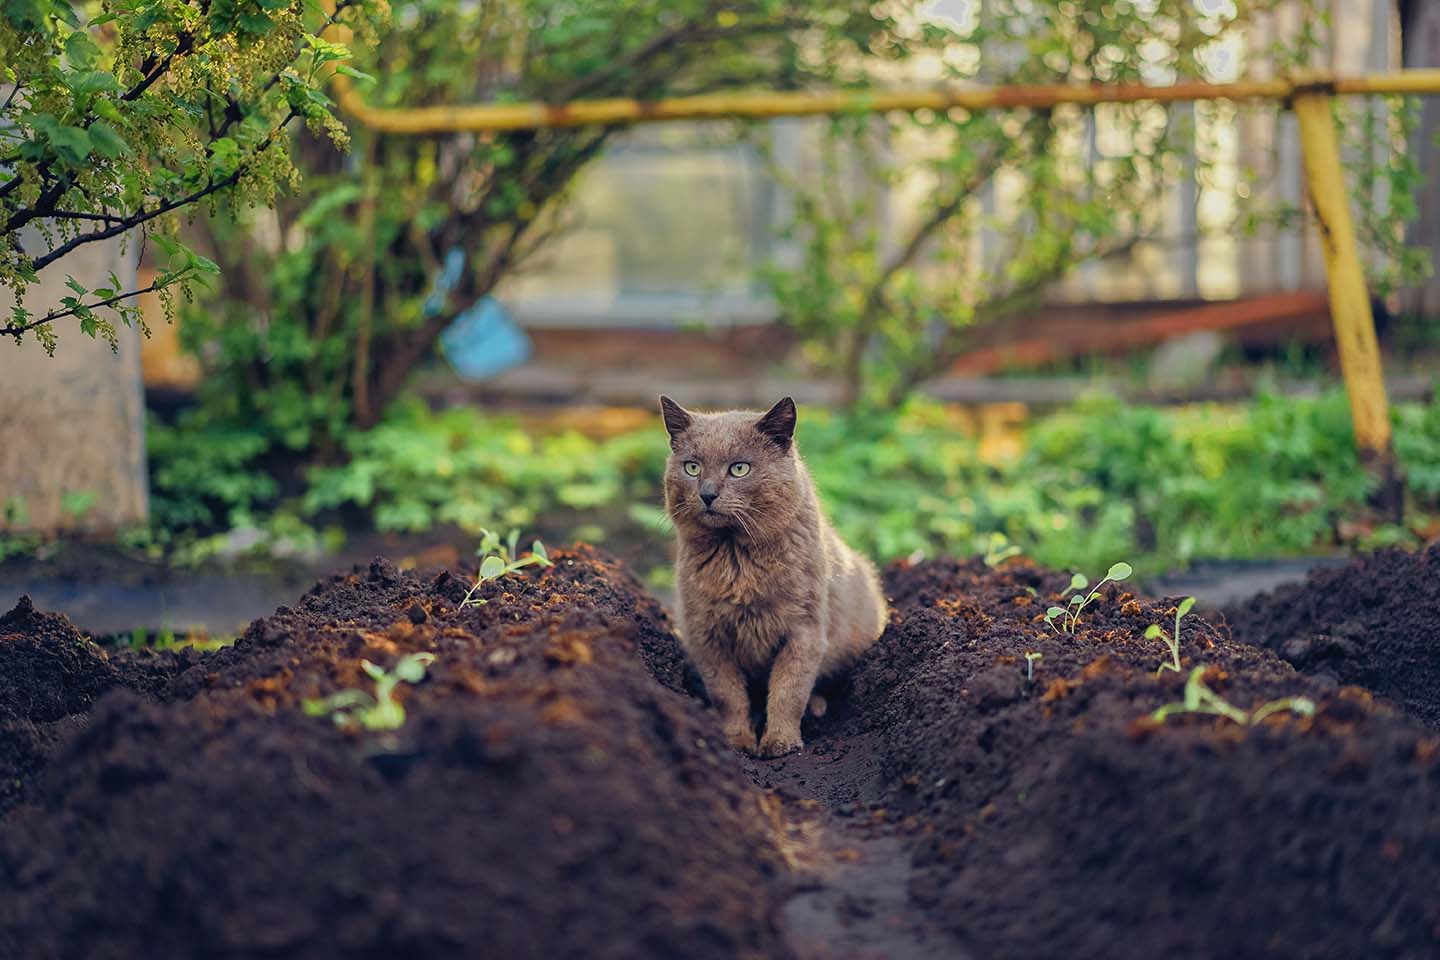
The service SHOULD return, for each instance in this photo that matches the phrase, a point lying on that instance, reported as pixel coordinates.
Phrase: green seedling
(999, 549)
(381, 711)
(1199, 698)
(1032, 658)
(1069, 615)
(1171, 640)
(500, 559)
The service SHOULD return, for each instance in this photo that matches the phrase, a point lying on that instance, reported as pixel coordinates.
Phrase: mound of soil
(49, 673)
(1370, 623)
(555, 790)
(1053, 818)
(48, 669)
(545, 796)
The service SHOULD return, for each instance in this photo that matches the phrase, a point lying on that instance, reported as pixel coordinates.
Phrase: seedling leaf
(411, 668)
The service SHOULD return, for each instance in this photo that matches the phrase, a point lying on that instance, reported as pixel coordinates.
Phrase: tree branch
(17, 329)
(134, 220)
(121, 225)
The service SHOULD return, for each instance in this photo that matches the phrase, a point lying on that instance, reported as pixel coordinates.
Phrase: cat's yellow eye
(692, 468)
(739, 469)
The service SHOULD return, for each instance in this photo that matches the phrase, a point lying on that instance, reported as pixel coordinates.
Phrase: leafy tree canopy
(118, 116)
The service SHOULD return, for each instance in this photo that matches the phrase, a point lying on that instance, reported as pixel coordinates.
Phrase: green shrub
(1102, 479)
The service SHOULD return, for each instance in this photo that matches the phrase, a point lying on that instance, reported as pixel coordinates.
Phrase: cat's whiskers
(744, 516)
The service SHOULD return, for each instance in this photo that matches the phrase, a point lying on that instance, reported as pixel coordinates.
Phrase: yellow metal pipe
(1349, 297)
(525, 116)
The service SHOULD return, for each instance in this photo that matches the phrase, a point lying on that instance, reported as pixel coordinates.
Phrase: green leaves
(381, 711)
(1069, 615)
(505, 561)
(1155, 631)
(106, 141)
(132, 116)
(1200, 699)
(70, 144)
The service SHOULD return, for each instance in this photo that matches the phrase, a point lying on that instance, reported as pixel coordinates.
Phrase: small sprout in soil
(1171, 640)
(998, 549)
(162, 639)
(379, 712)
(1199, 698)
(501, 559)
(1069, 615)
(1031, 658)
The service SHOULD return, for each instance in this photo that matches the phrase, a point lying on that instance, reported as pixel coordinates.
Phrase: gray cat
(767, 589)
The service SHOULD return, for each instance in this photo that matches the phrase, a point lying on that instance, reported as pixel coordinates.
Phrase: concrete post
(72, 428)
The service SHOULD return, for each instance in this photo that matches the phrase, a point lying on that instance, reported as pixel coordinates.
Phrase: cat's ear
(778, 424)
(677, 418)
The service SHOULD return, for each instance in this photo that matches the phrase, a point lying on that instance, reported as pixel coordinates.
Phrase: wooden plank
(1150, 330)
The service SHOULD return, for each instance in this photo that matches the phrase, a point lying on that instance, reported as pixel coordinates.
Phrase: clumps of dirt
(1052, 818)
(49, 674)
(545, 796)
(1372, 623)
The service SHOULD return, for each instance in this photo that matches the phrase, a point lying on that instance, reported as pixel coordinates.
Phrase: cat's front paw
(777, 744)
(741, 738)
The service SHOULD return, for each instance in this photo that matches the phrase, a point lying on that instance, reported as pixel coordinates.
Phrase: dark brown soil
(48, 673)
(548, 797)
(1053, 819)
(1372, 623)
(545, 797)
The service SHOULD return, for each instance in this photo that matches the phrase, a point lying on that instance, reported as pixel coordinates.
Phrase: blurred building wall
(72, 438)
(1421, 34)
(672, 224)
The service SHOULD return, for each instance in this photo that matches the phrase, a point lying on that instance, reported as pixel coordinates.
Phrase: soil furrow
(983, 785)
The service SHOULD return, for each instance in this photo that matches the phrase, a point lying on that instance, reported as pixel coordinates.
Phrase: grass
(1163, 486)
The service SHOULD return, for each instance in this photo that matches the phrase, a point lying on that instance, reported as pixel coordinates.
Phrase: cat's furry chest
(745, 607)
(750, 630)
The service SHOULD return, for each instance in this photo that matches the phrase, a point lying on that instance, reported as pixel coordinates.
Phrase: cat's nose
(708, 496)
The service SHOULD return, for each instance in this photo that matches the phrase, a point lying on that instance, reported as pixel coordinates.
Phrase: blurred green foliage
(419, 469)
(1159, 486)
(328, 301)
(911, 228)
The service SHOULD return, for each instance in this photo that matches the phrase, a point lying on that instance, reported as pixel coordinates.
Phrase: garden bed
(557, 789)
(1370, 623)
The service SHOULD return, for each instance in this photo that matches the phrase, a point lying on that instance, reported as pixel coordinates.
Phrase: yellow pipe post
(1349, 297)
(450, 118)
